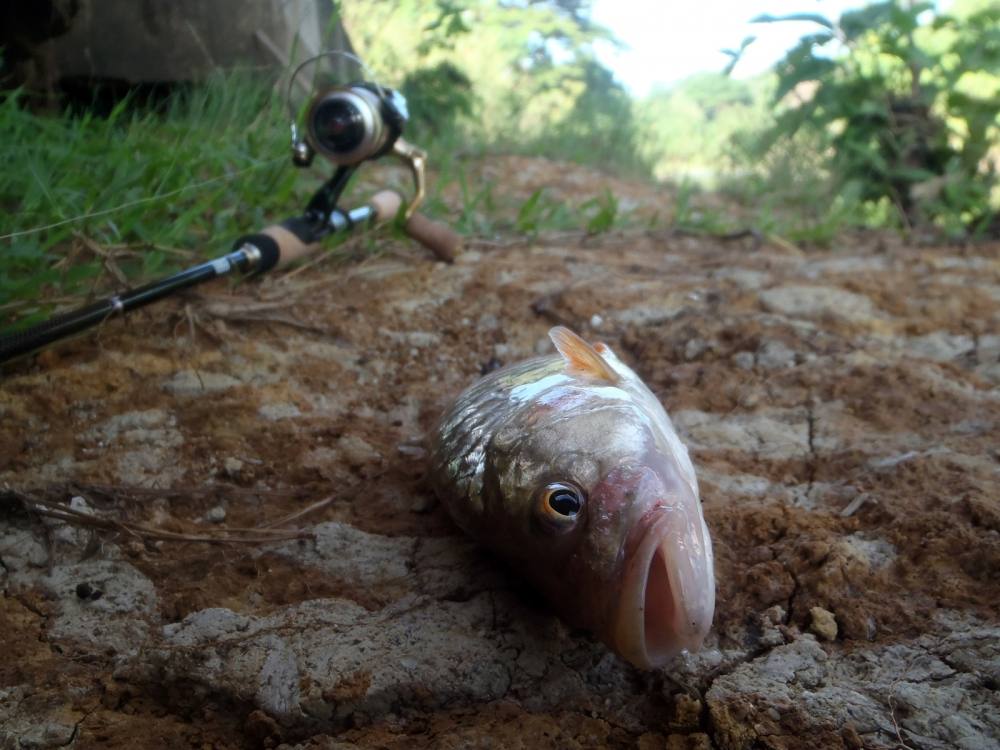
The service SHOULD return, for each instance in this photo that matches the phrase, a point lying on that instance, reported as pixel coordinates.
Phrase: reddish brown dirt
(334, 388)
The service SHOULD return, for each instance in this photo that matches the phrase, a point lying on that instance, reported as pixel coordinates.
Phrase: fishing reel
(349, 124)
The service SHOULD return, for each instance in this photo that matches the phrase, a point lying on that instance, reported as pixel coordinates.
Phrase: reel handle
(439, 238)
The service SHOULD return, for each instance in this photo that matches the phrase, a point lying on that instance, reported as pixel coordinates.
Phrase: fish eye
(559, 505)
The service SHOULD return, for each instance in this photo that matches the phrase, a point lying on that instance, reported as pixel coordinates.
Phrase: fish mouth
(668, 598)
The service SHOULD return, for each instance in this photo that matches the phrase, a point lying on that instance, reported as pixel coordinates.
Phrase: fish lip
(692, 611)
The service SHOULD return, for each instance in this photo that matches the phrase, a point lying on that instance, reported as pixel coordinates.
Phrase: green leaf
(605, 215)
(854, 23)
(528, 215)
(801, 64)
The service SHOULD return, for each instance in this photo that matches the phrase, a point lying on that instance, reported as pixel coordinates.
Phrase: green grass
(152, 190)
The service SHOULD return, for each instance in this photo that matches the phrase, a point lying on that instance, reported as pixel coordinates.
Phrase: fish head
(665, 597)
(593, 501)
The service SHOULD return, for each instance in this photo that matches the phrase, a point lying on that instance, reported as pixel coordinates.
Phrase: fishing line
(142, 201)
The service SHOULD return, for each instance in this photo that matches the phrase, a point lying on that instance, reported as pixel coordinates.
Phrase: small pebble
(775, 355)
(743, 360)
(694, 347)
(216, 514)
(413, 451)
(423, 504)
(824, 624)
(357, 451)
(79, 503)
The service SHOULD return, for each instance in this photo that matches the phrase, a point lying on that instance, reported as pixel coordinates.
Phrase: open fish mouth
(668, 598)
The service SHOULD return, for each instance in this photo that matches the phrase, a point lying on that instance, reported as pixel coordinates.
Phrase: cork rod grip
(290, 246)
(435, 236)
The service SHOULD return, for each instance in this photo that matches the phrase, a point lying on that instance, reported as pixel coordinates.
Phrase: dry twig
(232, 535)
(318, 505)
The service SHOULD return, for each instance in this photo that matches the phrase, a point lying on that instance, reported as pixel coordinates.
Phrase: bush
(905, 112)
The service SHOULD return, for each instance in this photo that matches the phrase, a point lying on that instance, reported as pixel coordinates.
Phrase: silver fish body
(569, 468)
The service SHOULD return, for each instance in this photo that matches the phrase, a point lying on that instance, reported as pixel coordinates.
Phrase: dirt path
(843, 412)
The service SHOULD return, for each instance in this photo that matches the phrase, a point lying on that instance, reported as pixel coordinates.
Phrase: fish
(569, 469)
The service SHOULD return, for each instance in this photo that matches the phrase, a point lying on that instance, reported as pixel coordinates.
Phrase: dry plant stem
(125, 490)
(318, 505)
(324, 255)
(55, 301)
(262, 535)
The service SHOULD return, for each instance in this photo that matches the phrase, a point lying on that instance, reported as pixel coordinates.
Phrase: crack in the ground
(975, 346)
(76, 728)
(811, 419)
(790, 606)
(11, 715)
(20, 599)
(412, 559)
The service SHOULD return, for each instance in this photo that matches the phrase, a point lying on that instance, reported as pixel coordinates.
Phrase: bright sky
(670, 39)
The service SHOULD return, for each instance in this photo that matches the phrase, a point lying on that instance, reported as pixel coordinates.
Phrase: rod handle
(439, 238)
(292, 245)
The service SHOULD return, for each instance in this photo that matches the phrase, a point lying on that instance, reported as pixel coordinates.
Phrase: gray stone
(800, 301)
(851, 264)
(149, 467)
(275, 411)
(232, 466)
(418, 339)
(113, 618)
(153, 425)
(777, 433)
(441, 652)
(876, 553)
(823, 624)
(357, 451)
(21, 549)
(940, 346)
(27, 730)
(388, 568)
(694, 348)
(743, 277)
(196, 382)
(917, 684)
(774, 355)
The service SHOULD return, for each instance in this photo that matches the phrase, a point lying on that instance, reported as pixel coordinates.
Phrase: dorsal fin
(581, 356)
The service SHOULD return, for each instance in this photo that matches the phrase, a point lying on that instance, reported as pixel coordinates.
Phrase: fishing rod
(346, 124)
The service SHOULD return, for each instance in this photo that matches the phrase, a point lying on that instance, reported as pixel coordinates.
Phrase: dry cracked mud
(842, 408)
